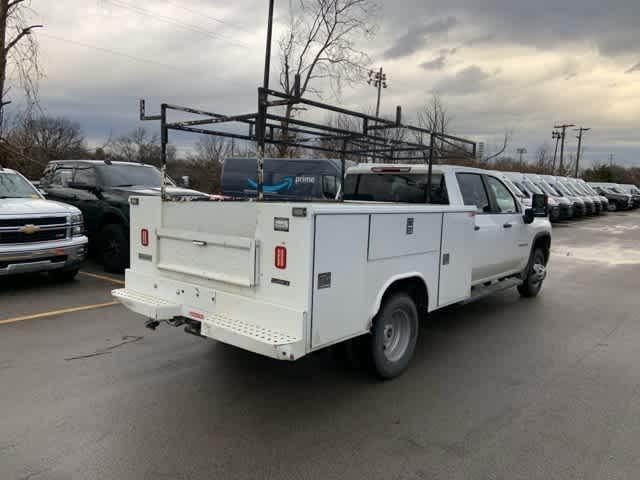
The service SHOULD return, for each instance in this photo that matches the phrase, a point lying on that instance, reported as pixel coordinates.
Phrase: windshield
(562, 188)
(616, 190)
(130, 175)
(573, 189)
(13, 185)
(513, 188)
(578, 186)
(532, 188)
(548, 189)
(588, 188)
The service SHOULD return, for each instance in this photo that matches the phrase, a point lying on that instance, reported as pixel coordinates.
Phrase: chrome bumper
(42, 257)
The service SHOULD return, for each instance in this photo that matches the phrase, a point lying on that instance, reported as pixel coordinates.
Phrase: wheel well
(543, 242)
(415, 288)
(111, 219)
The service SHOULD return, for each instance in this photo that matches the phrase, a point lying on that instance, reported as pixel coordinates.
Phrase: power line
(109, 51)
(218, 20)
(174, 21)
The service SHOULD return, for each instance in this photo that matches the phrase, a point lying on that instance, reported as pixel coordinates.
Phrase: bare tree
(501, 149)
(204, 165)
(543, 159)
(321, 46)
(18, 51)
(33, 142)
(137, 146)
(434, 116)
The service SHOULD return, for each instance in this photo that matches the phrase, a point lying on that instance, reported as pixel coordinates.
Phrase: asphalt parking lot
(504, 388)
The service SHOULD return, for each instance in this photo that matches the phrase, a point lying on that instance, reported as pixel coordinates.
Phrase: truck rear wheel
(394, 336)
(535, 275)
(114, 248)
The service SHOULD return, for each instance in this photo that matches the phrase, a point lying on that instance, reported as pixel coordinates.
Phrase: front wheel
(394, 336)
(535, 275)
(64, 275)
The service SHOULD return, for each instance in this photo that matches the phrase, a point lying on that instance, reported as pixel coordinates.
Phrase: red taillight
(281, 257)
(144, 237)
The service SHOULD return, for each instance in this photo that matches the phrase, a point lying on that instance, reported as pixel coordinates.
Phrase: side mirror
(539, 205)
(42, 192)
(529, 216)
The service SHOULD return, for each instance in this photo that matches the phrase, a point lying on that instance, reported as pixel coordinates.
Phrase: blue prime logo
(285, 184)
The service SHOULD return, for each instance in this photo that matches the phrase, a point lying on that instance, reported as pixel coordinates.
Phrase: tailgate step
(246, 329)
(147, 305)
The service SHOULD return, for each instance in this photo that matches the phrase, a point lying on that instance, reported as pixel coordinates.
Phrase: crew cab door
(486, 243)
(88, 200)
(508, 217)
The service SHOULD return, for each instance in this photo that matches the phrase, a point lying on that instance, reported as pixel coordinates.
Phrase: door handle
(199, 243)
(507, 225)
(476, 228)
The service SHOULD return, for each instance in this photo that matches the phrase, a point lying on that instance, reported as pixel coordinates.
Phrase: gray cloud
(437, 63)
(467, 80)
(635, 68)
(417, 37)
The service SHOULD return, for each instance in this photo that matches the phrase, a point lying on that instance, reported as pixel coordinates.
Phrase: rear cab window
(398, 187)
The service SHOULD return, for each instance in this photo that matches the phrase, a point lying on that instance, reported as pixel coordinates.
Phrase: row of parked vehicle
(572, 197)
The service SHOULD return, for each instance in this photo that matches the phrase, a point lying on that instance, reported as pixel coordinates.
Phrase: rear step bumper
(246, 335)
(147, 305)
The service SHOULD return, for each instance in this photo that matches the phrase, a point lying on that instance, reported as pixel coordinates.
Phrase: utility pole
(521, 152)
(579, 137)
(563, 135)
(378, 79)
(611, 155)
(556, 136)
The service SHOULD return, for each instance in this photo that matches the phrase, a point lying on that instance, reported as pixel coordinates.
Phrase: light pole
(378, 79)
(556, 136)
(521, 152)
(579, 137)
(563, 134)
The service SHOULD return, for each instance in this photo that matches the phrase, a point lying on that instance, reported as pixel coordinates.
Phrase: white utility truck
(284, 279)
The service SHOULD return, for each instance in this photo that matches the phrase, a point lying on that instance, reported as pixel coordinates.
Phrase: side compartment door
(339, 305)
(485, 243)
(455, 258)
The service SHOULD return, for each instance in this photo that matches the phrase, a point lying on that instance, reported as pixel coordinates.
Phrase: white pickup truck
(284, 279)
(37, 235)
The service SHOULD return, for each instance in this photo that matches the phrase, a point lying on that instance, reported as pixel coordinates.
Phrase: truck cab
(37, 235)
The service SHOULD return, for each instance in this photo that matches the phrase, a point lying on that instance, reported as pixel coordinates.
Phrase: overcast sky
(497, 64)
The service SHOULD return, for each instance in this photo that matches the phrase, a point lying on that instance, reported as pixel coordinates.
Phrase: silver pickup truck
(37, 234)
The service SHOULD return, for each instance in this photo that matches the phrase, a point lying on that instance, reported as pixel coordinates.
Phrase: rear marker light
(144, 237)
(281, 257)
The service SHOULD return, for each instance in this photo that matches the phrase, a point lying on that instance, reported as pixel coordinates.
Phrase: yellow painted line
(59, 312)
(103, 277)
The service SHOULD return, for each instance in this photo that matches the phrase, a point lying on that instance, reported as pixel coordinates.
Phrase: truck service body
(284, 279)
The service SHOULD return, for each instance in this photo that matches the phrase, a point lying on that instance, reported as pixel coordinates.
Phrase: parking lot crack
(107, 350)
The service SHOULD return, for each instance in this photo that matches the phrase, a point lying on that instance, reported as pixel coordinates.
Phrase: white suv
(37, 234)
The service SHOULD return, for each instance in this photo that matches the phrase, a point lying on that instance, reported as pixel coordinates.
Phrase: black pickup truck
(101, 190)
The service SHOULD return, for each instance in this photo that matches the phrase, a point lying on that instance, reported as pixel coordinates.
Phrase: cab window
(473, 191)
(505, 202)
(61, 177)
(396, 187)
(85, 176)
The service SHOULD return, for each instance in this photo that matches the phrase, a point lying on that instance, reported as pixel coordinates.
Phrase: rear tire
(535, 275)
(394, 336)
(64, 275)
(114, 248)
